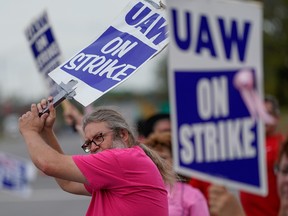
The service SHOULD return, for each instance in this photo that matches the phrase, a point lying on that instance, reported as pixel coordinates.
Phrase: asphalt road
(46, 198)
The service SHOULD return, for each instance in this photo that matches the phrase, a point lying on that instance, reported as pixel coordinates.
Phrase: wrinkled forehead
(95, 128)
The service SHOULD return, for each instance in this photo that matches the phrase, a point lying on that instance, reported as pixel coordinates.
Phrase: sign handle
(155, 5)
(66, 91)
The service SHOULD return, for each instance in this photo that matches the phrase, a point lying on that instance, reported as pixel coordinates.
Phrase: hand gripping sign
(138, 34)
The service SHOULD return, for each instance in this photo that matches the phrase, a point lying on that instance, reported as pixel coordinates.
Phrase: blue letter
(131, 20)
(204, 39)
(146, 23)
(160, 30)
(228, 40)
(185, 43)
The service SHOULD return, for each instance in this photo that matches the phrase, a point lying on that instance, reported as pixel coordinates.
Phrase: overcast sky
(75, 25)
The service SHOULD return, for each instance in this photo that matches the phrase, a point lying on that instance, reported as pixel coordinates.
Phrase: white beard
(118, 144)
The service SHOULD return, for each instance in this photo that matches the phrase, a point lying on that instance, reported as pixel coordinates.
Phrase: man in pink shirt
(118, 174)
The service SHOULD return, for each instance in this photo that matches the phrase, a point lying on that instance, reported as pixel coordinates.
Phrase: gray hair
(114, 120)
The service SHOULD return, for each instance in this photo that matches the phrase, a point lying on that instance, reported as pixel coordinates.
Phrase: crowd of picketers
(128, 173)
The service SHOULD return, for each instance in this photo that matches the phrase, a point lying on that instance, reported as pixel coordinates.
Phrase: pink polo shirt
(184, 200)
(123, 182)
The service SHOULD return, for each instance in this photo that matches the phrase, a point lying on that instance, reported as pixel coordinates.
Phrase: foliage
(275, 34)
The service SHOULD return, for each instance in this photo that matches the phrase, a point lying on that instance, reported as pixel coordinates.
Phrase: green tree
(275, 34)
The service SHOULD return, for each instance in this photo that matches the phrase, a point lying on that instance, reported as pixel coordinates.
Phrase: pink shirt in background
(123, 182)
(184, 200)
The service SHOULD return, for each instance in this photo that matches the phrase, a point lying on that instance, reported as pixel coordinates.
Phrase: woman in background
(183, 199)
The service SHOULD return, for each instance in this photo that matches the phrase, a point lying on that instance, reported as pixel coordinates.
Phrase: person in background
(201, 185)
(183, 199)
(140, 127)
(72, 117)
(281, 171)
(159, 122)
(122, 176)
(255, 205)
(223, 203)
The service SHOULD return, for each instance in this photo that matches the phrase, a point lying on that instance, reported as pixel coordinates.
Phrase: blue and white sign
(44, 47)
(215, 65)
(138, 34)
(16, 174)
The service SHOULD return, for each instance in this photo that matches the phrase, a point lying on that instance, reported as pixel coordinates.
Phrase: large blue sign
(215, 127)
(215, 76)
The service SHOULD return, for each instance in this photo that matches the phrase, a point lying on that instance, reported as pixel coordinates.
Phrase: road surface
(46, 198)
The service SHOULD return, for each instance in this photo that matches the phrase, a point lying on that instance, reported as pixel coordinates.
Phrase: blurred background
(75, 25)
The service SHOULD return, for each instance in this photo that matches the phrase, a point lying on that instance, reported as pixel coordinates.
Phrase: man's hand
(223, 203)
(30, 121)
(51, 116)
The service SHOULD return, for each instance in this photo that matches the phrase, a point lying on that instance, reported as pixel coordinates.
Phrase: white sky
(75, 25)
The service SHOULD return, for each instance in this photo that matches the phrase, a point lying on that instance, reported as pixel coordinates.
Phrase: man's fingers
(52, 110)
(39, 107)
(34, 109)
(43, 103)
(50, 99)
(44, 116)
(25, 115)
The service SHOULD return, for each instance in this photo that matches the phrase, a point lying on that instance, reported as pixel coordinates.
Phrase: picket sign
(44, 47)
(138, 34)
(16, 174)
(215, 64)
